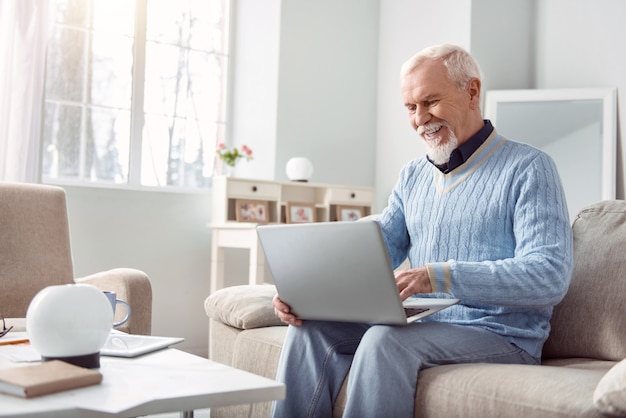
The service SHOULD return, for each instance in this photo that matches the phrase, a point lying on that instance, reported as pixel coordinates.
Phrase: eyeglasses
(5, 330)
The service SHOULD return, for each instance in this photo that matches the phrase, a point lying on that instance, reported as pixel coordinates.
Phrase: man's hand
(413, 281)
(283, 312)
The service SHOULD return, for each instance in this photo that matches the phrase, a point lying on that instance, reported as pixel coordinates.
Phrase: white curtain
(23, 37)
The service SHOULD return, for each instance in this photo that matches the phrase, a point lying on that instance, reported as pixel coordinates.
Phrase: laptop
(339, 271)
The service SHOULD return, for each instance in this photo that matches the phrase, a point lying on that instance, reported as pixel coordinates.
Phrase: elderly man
(483, 219)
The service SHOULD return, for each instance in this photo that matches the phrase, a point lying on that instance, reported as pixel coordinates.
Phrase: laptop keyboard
(413, 311)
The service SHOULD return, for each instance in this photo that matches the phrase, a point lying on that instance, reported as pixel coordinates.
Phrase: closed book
(47, 377)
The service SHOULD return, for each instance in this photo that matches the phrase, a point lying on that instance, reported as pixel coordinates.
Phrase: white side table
(165, 381)
(235, 235)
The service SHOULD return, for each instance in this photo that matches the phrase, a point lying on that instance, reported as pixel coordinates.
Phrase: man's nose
(422, 116)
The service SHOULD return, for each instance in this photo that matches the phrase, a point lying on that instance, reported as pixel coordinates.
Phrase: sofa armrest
(243, 307)
(134, 287)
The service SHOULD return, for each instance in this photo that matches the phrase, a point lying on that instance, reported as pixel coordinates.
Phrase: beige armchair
(35, 253)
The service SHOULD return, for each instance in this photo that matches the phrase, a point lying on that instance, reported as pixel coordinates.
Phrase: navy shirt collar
(464, 151)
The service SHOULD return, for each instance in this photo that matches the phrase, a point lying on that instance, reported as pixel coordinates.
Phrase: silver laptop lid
(338, 271)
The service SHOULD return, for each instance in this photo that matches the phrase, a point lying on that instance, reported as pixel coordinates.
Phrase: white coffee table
(164, 381)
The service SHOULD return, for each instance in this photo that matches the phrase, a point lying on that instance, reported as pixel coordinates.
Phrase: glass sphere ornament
(70, 322)
(299, 169)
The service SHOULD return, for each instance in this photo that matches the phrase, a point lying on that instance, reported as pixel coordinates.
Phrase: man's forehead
(424, 89)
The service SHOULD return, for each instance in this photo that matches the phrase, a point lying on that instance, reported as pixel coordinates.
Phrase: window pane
(116, 16)
(111, 70)
(183, 82)
(91, 96)
(65, 65)
(108, 142)
(71, 12)
(206, 84)
(198, 24)
(61, 141)
(168, 22)
(166, 79)
(209, 25)
(177, 152)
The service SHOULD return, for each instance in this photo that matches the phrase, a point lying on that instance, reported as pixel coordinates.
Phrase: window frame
(137, 114)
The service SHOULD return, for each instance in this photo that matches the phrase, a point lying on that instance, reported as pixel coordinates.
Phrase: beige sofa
(583, 373)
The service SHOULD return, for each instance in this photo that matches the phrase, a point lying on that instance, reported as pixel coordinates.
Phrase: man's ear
(473, 89)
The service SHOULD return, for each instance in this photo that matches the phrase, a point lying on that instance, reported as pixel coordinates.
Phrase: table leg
(257, 264)
(217, 265)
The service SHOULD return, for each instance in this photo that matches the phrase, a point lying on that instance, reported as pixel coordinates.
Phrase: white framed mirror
(576, 127)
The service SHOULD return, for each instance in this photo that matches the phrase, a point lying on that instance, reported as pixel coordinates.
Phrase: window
(135, 91)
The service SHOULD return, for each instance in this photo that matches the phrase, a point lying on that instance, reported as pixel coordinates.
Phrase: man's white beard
(438, 152)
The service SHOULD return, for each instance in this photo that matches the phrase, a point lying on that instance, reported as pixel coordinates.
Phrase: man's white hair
(462, 67)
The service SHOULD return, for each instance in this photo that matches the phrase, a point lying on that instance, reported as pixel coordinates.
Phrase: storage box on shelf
(228, 233)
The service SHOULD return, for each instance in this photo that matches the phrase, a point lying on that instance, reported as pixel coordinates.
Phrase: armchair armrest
(18, 324)
(134, 287)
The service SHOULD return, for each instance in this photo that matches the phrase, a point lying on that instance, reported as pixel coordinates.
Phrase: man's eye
(431, 103)
(411, 109)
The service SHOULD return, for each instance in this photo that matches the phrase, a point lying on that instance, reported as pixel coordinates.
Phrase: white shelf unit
(325, 197)
(228, 233)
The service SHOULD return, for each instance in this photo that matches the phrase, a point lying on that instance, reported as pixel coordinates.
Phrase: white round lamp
(299, 169)
(70, 323)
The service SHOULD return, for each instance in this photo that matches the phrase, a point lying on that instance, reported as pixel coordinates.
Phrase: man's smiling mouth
(430, 131)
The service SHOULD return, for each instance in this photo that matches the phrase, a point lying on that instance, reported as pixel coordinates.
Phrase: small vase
(223, 169)
(227, 170)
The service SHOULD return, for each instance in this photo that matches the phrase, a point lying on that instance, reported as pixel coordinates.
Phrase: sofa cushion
(511, 390)
(243, 307)
(610, 394)
(594, 327)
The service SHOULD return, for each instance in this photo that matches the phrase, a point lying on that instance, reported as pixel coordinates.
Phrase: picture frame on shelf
(349, 213)
(298, 212)
(251, 211)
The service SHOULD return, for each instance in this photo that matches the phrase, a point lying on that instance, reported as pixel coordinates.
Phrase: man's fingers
(283, 312)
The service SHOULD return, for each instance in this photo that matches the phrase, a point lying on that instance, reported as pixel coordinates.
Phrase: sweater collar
(464, 151)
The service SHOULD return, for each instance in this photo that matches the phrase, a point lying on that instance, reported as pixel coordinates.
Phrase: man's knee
(379, 336)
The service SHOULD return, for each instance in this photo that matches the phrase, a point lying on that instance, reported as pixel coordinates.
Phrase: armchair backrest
(34, 244)
(590, 322)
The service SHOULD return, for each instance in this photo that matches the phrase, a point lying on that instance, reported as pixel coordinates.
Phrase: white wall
(165, 235)
(326, 91)
(504, 42)
(255, 46)
(304, 85)
(581, 44)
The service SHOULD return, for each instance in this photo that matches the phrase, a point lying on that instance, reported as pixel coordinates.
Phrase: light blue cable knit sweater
(493, 233)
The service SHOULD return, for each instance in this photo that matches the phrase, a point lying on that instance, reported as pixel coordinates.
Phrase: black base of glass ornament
(88, 361)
